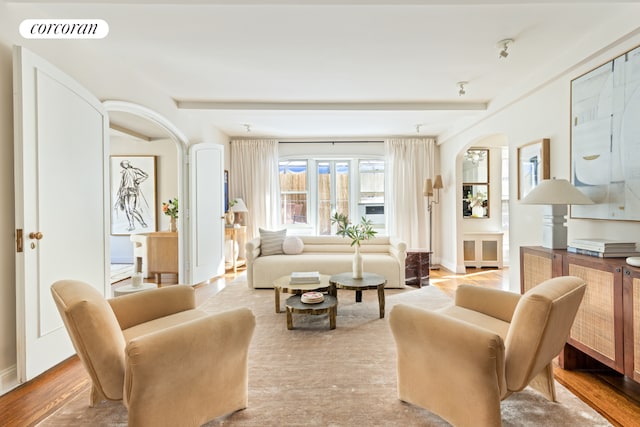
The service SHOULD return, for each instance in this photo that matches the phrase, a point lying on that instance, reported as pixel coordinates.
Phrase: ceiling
(320, 69)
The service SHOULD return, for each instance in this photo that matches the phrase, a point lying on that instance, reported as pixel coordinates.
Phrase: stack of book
(304, 277)
(604, 248)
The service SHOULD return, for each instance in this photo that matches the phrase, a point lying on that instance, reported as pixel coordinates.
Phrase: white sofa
(328, 255)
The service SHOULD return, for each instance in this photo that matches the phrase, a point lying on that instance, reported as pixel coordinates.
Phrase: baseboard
(8, 379)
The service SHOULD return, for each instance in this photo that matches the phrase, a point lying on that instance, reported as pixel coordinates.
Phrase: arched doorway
(182, 145)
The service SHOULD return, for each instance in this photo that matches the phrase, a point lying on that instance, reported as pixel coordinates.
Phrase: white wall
(165, 151)
(543, 114)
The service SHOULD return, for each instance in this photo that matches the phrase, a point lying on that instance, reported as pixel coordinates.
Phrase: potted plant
(170, 209)
(357, 233)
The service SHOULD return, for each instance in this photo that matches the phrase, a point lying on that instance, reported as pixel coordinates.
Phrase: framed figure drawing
(605, 139)
(533, 166)
(133, 194)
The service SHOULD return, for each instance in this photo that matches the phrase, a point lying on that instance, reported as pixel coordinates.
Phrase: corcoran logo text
(64, 29)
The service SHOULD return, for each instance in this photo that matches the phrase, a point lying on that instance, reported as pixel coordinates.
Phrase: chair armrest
(492, 302)
(195, 364)
(252, 251)
(140, 307)
(252, 248)
(449, 349)
(398, 248)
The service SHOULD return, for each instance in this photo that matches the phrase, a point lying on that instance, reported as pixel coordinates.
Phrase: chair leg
(95, 397)
(544, 383)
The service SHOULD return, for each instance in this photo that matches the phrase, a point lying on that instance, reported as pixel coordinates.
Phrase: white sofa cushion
(271, 241)
(292, 245)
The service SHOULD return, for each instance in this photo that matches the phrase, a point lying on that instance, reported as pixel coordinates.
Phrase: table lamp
(239, 210)
(556, 194)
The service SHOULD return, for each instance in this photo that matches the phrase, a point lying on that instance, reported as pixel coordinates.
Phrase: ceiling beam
(130, 132)
(333, 106)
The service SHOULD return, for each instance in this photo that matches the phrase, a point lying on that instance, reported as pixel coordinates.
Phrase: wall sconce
(427, 191)
(556, 194)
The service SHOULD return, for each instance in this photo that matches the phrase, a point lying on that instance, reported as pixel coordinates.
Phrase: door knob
(37, 235)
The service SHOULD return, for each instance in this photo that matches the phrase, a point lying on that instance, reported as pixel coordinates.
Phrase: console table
(607, 325)
(238, 236)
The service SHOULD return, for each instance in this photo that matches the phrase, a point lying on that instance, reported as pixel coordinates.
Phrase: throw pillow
(271, 241)
(292, 245)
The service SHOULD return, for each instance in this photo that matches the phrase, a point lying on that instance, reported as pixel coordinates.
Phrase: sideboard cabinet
(607, 325)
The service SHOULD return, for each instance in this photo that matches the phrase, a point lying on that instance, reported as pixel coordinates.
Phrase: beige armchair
(461, 361)
(170, 363)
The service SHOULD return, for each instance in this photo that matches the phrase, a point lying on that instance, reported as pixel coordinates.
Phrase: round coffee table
(282, 285)
(130, 289)
(295, 305)
(368, 281)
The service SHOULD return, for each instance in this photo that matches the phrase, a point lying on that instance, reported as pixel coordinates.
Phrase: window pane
(293, 192)
(371, 181)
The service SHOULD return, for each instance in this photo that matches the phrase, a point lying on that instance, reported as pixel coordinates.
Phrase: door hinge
(19, 240)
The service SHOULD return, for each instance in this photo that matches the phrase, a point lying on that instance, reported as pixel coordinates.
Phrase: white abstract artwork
(605, 139)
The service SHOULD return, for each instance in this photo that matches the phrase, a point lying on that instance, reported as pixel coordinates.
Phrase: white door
(60, 188)
(206, 211)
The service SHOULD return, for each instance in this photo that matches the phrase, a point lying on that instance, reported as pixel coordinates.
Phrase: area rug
(314, 376)
(120, 272)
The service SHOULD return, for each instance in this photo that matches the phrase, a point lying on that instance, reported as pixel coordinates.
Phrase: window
(294, 192)
(313, 189)
(371, 181)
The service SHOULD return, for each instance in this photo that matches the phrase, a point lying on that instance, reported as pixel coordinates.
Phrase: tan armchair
(461, 361)
(170, 363)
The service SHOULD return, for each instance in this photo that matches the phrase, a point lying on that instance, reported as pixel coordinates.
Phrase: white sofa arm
(398, 248)
(252, 249)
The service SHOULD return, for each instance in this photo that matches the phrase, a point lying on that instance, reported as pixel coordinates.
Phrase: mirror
(475, 185)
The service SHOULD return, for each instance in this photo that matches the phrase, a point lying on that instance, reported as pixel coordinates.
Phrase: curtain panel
(410, 162)
(254, 178)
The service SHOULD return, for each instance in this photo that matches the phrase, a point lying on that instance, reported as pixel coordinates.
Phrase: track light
(503, 45)
(461, 90)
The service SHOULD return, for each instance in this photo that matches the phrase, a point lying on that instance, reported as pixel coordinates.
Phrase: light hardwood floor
(609, 393)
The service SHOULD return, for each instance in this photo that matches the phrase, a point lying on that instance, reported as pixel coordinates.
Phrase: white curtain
(254, 178)
(410, 162)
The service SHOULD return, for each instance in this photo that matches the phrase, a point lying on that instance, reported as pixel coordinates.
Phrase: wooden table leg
(332, 317)
(381, 300)
(276, 289)
(289, 319)
(358, 296)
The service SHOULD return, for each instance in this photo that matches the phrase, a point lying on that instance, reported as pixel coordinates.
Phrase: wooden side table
(368, 281)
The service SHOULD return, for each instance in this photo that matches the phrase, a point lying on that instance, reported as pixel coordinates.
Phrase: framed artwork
(533, 166)
(133, 194)
(605, 139)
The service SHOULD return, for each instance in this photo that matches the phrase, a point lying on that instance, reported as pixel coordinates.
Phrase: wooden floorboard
(616, 398)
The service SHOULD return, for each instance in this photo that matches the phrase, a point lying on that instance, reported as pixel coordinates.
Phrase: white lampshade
(239, 206)
(556, 194)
